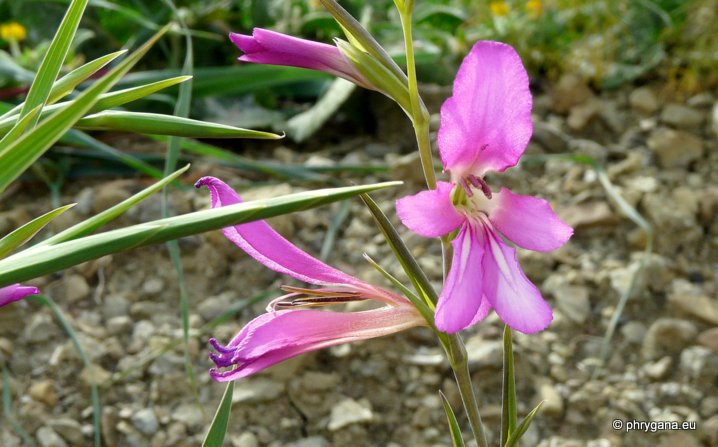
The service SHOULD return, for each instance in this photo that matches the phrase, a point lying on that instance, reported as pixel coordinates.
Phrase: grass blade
(515, 437)
(39, 261)
(26, 232)
(454, 428)
(94, 393)
(218, 429)
(20, 154)
(509, 408)
(158, 124)
(17, 130)
(54, 58)
(88, 226)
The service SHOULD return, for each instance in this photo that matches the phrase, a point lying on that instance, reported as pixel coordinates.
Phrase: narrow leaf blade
(454, 428)
(509, 409)
(515, 437)
(26, 232)
(218, 429)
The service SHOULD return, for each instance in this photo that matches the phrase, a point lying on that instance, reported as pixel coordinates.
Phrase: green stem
(460, 365)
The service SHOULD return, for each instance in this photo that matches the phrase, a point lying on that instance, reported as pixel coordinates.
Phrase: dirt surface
(660, 156)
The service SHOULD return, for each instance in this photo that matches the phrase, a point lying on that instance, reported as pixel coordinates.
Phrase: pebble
(96, 373)
(573, 302)
(311, 441)
(714, 119)
(659, 369)
(681, 117)
(552, 401)
(667, 336)
(44, 391)
(697, 306)
(246, 439)
(675, 148)
(76, 288)
(348, 412)
(582, 114)
(40, 329)
(588, 215)
(115, 305)
(550, 137)
(145, 420)
(256, 390)
(484, 353)
(69, 429)
(709, 339)
(570, 91)
(190, 415)
(47, 437)
(644, 100)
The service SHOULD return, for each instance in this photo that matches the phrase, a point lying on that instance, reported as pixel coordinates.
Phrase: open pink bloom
(15, 292)
(283, 333)
(485, 126)
(270, 47)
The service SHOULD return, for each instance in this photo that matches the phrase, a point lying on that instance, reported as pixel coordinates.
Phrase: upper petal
(15, 292)
(528, 221)
(430, 213)
(486, 123)
(267, 246)
(277, 336)
(516, 300)
(461, 302)
(270, 47)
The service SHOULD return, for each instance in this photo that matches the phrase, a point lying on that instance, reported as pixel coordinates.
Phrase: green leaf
(398, 284)
(88, 226)
(157, 124)
(509, 408)
(454, 427)
(515, 437)
(21, 153)
(218, 429)
(26, 232)
(39, 261)
(54, 58)
(18, 128)
(68, 82)
(417, 276)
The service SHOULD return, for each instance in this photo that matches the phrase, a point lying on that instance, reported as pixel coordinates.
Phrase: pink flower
(485, 126)
(15, 292)
(283, 333)
(269, 47)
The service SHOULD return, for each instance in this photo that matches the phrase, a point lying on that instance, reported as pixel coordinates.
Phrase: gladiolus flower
(270, 47)
(292, 325)
(485, 126)
(15, 292)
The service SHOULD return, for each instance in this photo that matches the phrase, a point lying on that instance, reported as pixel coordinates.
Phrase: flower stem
(460, 365)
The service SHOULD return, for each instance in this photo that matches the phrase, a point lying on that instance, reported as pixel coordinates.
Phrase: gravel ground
(662, 364)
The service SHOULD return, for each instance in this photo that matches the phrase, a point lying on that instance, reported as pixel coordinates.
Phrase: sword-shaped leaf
(26, 232)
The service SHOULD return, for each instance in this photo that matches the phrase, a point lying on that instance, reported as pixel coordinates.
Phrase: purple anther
(466, 187)
(480, 183)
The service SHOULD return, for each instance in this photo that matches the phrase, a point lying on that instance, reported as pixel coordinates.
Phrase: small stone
(119, 325)
(660, 369)
(190, 415)
(484, 353)
(570, 91)
(407, 168)
(115, 305)
(698, 306)
(675, 148)
(108, 195)
(700, 365)
(714, 119)
(681, 117)
(709, 339)
(76, 288)
(552, 401)
(582, 114)
(348, 412)
(41, 328)
(573, 302)
(44, 391)
(587, 215)
(153, 286)
(550, 137)
(667, 336)
(145, 420)
(643, 100)
(96, 373)
(246, 439)
(47, 437)
(69, 429)
(312, 441)
(314, 381)
(679, 439)
(257, 390)
(213, 306)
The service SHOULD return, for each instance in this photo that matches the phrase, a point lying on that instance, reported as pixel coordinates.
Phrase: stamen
(480, 183)
(466, 186)
(301, 297)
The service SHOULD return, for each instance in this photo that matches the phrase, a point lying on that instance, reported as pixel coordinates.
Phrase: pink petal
(486, 123)
(15, 292)
(430, 213)
(461, 302)
(527, 221)
(278, 336)
(267, 246)
(516, 300)
(269, 47)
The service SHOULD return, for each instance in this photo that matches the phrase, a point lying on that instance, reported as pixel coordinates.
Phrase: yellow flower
(499, 8)
(12, 31)
(534, 7)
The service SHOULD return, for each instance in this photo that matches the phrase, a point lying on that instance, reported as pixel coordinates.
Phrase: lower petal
(461, 302)
(517, 301)
(528, 222)
(430, 213)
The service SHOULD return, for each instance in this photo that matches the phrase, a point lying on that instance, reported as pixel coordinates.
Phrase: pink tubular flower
(281, 333)
(270, 47)
(15, 292)
(485, 126)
